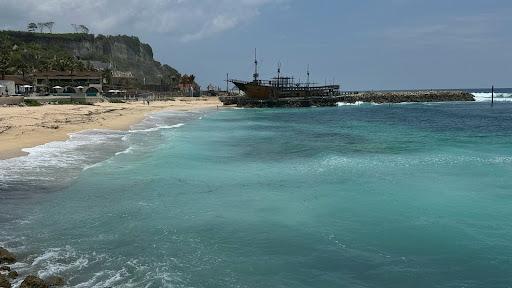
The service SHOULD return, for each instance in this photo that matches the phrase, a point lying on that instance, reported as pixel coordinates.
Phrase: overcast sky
(362, 44)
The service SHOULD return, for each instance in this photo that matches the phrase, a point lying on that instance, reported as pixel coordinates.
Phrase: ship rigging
(282, 86)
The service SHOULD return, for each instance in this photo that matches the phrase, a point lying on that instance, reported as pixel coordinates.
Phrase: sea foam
(81, 151)
(157, 128)
(499, 97)
(357, 103)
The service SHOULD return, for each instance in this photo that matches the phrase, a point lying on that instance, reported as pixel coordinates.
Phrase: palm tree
(4, 64)
(32, 27)
(5, 55)
(5, 60)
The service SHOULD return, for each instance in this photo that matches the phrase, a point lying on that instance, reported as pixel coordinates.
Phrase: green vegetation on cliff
(43, 51)
(24, 57)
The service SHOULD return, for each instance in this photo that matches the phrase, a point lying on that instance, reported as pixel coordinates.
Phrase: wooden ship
(284, 92)
(282, 87)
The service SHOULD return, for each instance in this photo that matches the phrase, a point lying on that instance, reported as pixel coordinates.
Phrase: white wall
(14, 100)
(9, 87)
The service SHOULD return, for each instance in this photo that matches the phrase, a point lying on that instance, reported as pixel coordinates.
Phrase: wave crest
(486, 97)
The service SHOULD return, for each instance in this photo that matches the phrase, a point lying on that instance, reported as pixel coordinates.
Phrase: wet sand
(24, 127)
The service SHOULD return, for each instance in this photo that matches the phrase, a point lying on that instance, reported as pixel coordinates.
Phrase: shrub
(30, 102)
(113, 100)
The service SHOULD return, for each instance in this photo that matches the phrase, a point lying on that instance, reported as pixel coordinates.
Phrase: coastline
(25, 127)
(164, 197)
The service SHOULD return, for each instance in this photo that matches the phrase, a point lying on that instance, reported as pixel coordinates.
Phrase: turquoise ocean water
(412, 195)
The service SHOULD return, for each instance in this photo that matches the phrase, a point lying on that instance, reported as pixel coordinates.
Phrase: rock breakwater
(365, 97)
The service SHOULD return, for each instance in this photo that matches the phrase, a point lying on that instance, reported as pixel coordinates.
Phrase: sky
(360, 44)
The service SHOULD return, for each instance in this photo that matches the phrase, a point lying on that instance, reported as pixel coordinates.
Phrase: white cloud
(185, 19)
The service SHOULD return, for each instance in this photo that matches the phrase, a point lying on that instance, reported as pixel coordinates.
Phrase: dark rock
(33, 282)
(6, 256)
(4, 283)
(367, 97)
(12, 274)
(5, 268)
(55, 281)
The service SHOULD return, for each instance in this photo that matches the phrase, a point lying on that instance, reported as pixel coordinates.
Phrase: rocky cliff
(125, 54)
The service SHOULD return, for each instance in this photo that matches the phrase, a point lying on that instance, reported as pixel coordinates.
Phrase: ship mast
(278, 73)
(255, 75)
(307, 82)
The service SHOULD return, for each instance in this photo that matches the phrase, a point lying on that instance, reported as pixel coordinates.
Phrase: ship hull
(255, 90)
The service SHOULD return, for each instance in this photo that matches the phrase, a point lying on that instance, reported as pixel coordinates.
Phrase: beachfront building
(88, 82)
(189, 87)
(122, 78)
(7, 88)
(15, 85)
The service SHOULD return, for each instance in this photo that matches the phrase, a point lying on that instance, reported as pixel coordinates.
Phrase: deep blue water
(410, 195)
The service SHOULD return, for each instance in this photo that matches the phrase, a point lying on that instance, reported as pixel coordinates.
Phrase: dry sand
(24, 127)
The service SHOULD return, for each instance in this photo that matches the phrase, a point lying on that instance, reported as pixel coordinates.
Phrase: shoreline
(26, 127)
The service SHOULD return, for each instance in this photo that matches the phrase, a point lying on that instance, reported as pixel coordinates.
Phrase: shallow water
(414, 195)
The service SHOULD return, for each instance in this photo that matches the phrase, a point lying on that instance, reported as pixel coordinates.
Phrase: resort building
(188, 86)
(88, 82)
(7, 88)
(15, 85)
(122, 78)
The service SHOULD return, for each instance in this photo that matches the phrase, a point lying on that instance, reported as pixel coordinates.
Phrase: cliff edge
(126, 55)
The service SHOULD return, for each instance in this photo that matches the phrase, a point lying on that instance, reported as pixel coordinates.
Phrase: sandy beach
(24, 127)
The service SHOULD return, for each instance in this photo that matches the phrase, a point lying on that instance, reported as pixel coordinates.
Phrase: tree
(80, 28)
(22, 60)
(5, 56)
(84, 29)
(41, 26)
(184, 79)
(5, 63)
(45, 25)
(57, 64)
(32, 27)
(107, 75)
(49, 25)
(25, 58)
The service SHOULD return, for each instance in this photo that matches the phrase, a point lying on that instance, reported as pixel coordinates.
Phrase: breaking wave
(61, 161)
(357, 103)
(486, 97)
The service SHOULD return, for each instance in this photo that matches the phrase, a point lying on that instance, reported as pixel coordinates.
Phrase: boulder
(55, 281)
(6, 256)
(33, 282)
(5, 268)
(12, 274)
(4, 283)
